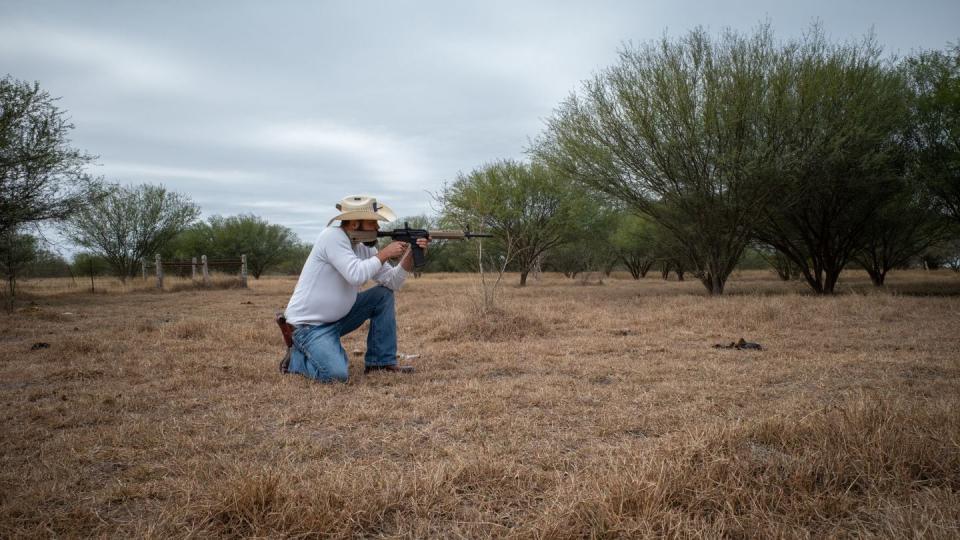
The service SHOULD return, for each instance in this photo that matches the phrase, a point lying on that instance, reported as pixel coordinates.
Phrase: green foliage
(455, 256)
(903, 228)
(292, 262)
(589, 248)
(17, 251)
(125, 224)
(634, 240)
(524, 205)
(943, 254)
(23, 256)
(685, 132)
(810, 147)
(41, 175)
(670, 251)
(266, 245)
(87, 264)
(785, 268)
(752, 259)
(846, 111)
(421, 221)
(934, 80)
(47, 264)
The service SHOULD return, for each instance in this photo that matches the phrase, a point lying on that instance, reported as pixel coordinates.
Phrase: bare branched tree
(128, 223)
(499, 263)
(17, 250)
(41, 176)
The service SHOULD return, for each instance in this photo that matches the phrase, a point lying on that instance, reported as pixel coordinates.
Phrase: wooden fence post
(206, 272)
(243, 271)
(159, 272)
(193, 269)
(143, 267)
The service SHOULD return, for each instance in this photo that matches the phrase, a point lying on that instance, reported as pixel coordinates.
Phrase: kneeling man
(326, 303)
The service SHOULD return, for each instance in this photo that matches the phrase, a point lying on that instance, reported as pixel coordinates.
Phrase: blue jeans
(318, 354)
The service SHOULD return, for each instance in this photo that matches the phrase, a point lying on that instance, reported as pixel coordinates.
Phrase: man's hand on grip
(391, 251)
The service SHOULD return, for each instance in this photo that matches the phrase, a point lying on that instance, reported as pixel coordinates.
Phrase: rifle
(410, 236)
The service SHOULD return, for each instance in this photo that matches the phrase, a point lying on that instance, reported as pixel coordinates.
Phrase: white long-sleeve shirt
(332, 277)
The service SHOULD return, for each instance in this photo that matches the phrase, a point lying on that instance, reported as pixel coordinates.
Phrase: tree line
(43, 179)
(121, 226)
(692, 155)
(694, 152)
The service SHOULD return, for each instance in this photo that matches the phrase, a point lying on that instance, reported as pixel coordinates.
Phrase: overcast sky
(283, 108)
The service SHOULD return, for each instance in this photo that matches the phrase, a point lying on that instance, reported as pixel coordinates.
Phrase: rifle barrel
(456, 235)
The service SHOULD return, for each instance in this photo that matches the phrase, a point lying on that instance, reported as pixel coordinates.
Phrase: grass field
(569, 411)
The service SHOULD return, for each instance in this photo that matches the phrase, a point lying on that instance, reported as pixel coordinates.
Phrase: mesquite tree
(127, 223)
(589, 249)
(934, 80)
(41, 175)
(265, 244)
(17, 251)
(846, 112)
(686, 132)
(634, 242)
(905, 227)
(524, 205)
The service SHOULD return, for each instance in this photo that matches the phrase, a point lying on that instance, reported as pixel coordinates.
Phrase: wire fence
(199, 270)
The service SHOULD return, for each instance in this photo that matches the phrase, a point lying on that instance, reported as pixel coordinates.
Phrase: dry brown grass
(567, 412)
(32, 288)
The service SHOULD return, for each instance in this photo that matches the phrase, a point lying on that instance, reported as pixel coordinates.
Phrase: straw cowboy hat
(363, 207)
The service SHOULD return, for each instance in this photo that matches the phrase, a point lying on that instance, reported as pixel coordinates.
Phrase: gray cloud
(281, 109)
(92, 59)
